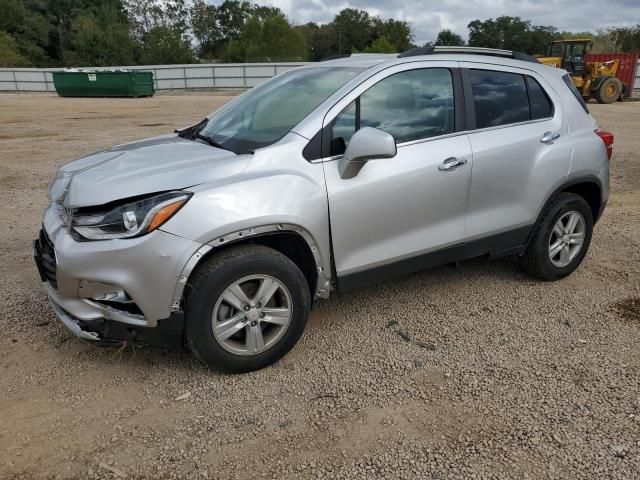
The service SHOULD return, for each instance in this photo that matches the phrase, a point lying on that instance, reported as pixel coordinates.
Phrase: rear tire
(609, 90)
(227, 325)
(625, 93)
(553, 251)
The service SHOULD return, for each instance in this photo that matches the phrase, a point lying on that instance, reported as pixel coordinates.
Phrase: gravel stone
(510, 392)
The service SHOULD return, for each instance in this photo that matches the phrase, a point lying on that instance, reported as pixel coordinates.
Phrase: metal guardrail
(229, 76)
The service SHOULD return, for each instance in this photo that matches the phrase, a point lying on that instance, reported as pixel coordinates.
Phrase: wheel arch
(293, 241)
(588, 187)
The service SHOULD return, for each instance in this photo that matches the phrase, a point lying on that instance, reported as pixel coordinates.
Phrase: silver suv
(219, 236)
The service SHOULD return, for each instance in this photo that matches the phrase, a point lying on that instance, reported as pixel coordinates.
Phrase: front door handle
(549, 137)
(451, 163)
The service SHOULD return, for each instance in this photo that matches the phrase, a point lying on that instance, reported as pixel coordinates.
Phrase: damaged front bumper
(113, 289)
(97, 325)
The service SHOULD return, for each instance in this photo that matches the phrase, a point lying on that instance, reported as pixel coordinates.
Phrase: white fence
(230, 76)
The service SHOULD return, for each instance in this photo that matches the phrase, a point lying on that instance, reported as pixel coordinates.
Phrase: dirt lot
(474, 372)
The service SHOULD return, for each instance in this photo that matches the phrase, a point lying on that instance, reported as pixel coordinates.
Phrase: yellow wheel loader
(592, 79)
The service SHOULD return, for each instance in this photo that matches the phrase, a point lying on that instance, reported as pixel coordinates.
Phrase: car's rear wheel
(246, 307)
(560, 239)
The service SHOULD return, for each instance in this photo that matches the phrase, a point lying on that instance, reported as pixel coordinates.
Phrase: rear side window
(574, 90)
(500, 98)
(541, 106)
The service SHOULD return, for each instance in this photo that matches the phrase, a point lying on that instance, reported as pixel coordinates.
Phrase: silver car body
(395, 215)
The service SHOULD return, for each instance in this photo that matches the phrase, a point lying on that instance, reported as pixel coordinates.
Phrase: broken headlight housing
(131, 218)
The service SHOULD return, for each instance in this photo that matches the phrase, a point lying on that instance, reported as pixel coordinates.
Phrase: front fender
(256, 203)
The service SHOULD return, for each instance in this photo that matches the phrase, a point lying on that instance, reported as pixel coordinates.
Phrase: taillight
(607, 138)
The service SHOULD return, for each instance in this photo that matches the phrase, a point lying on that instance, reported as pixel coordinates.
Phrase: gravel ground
(470, 372)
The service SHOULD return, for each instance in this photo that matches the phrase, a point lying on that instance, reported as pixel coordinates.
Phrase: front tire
(245, 308)
(560, 239)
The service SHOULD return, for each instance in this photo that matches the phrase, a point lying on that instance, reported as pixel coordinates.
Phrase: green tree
(381, 45)
(29, 24)
(510, 33)
(621, 39)
(397, 32)
(214, 27)
(540, 36)
(269, 38)
(204, 24)
(231, 16)
(101, 38)
(166, 45)
(10, 56)
(449, 38)
(161, 27)
(354, 29)
(321, 41)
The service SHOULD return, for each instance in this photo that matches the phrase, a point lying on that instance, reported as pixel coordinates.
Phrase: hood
(152, 165)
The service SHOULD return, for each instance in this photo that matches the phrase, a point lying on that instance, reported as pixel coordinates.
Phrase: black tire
(625, 93)
(536, 259)
(609, 90)
(211, 280)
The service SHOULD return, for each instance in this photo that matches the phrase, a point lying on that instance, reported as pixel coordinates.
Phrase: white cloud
(428, 17)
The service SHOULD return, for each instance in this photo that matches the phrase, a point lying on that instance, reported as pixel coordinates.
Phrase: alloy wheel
(566, 239)
(252, 314)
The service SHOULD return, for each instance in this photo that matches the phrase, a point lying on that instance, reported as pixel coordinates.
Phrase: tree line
(52, 33)
(515, 33)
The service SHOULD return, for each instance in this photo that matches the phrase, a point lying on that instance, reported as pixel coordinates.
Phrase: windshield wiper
(189, 132)
(212, 142)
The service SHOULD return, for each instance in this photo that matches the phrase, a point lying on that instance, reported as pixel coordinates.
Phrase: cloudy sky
(428, 17)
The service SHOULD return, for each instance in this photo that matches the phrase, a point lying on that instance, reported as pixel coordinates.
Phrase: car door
(521, 150)
(398, 209)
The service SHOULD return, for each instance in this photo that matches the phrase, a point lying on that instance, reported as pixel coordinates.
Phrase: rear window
(574, 90)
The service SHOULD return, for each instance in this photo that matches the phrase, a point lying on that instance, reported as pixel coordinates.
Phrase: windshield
(266, 113)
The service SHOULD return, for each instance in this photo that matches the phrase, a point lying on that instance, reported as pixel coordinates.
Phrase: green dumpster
(121, 83)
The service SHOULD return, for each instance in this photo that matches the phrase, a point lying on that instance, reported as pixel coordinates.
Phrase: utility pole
(339, 40)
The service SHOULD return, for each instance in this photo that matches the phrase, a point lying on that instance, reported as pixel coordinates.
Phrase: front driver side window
(410, 105)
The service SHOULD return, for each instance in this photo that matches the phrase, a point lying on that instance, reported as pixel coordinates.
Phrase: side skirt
(504, 244)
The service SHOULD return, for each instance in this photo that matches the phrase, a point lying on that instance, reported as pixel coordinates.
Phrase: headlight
(126, 220)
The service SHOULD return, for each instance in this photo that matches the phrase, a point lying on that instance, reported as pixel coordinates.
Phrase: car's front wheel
(245, 308)
(560, 239)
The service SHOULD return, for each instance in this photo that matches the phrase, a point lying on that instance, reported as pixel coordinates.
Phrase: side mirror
(366, 144)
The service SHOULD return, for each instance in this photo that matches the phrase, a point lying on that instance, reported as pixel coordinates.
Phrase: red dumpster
(627, 69)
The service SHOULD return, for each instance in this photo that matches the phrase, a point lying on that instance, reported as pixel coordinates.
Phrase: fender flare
(324, 278)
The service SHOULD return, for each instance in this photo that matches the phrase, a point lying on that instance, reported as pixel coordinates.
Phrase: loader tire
(609, 90)
(625, 93)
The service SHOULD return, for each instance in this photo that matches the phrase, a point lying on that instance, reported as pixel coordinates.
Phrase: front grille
(47, 258)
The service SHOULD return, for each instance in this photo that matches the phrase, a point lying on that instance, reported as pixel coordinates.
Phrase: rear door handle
(451, 163)
(549, 137)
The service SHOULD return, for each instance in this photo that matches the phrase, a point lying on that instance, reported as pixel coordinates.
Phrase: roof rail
(494, 52)
(336, 57)
(414, 52)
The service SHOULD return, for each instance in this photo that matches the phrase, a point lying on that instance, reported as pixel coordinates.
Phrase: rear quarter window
(541, 106)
